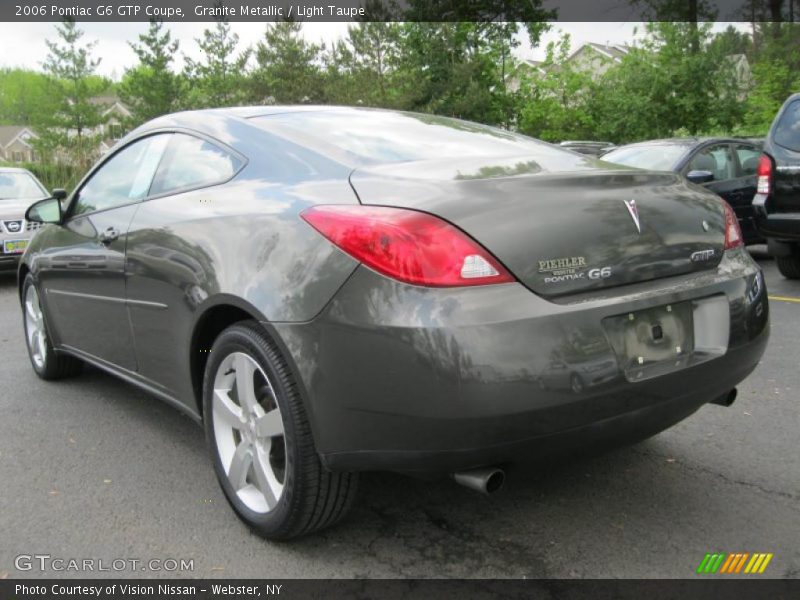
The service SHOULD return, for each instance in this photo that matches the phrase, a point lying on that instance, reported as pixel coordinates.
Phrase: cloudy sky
(22, 44)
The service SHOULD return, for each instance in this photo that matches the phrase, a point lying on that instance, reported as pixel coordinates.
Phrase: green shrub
(55, 175)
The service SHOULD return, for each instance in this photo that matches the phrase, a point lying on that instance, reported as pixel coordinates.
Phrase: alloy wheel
(249, 432)
(36, 336)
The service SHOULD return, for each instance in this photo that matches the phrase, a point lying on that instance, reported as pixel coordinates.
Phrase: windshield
(658, 157)
(20, 186)
(385, 137)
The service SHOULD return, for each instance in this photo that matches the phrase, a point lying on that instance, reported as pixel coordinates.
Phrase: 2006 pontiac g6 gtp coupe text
(334, 290)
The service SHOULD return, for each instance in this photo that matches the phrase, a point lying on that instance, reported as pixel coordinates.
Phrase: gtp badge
(631, 206)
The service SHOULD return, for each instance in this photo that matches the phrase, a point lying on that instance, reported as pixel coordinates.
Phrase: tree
(288, 67)
(663, 86)
(776, 73)
(24, 97)
(151, 88)
(557, 98)
(340, 85)
(732, 41)
(451, 69)
(74, 128)
(218, 78)
(374, 50)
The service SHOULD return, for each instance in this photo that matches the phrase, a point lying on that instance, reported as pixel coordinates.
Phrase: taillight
(733, 233)
(764, 185)
(411, 246)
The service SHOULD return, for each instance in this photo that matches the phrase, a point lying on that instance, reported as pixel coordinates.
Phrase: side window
(191, 162)
(787, 133)
(717, 159)
(124, 178)
(748, 159)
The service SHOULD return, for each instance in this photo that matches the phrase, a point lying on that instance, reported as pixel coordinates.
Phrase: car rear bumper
(781, 226)
(398, 377)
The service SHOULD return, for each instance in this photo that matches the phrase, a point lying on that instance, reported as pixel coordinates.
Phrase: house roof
(615, 51)
(103, 100)
(110, 104)
(8, 133)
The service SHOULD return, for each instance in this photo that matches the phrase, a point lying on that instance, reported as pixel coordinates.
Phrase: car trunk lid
(562, 231)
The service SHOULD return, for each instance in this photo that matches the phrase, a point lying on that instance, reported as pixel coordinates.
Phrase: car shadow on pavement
(8, 279)
(417, 528)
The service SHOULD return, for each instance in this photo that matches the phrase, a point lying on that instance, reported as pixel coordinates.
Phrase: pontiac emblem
(631, 206)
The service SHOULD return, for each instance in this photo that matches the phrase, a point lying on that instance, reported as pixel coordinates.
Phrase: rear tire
(261, 442)
(789, 266)
(47, 363)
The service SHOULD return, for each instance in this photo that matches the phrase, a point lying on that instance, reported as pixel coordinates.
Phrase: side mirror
(60, 194)
(45, 211)
(699, 177)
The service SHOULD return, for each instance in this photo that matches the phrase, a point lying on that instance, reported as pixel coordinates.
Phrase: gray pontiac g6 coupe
(335, 290)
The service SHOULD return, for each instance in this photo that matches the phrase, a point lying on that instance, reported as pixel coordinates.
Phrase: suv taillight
(764, 185)
(733, 233)
(407, 245)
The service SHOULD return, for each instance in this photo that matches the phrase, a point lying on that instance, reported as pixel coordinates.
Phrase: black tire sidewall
(789, 266)
(241, 338)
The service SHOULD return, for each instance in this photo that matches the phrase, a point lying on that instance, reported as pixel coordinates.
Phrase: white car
(19, 189)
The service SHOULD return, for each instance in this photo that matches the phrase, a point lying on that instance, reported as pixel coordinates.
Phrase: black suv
(777, 199)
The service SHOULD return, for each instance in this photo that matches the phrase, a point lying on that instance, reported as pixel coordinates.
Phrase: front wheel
(46, 362)
(261, 443)
(789, 266)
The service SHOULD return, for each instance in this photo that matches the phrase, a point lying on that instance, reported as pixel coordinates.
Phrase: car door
(718, 159)
(746, 157)
(170, 270)
(82, 270)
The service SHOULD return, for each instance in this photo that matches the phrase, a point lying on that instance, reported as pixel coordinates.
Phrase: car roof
(225, 124)
(194, 119)
(692, 141)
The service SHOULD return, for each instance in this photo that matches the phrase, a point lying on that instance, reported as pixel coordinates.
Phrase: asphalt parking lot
(93, 468)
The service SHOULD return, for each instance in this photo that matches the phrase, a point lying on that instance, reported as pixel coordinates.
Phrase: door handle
(108, 236)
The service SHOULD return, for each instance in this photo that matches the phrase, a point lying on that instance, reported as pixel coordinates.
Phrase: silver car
(19, 189)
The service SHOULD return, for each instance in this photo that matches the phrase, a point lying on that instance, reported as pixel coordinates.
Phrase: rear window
(787, 133)
(385, 137)
(19, 186)
(657, 157)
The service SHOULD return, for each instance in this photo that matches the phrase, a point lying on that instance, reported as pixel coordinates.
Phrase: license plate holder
(652, 341)
(14, 246)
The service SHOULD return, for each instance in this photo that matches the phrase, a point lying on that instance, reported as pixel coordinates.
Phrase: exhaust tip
(495, 482)
(726, 399)
(486, 481)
